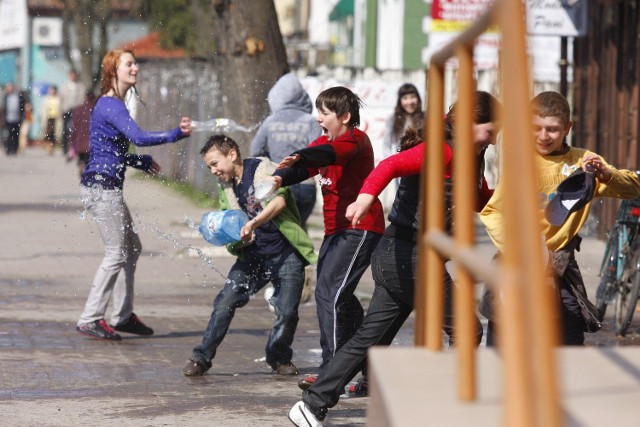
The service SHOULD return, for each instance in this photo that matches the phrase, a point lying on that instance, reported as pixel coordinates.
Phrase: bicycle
(620, 268)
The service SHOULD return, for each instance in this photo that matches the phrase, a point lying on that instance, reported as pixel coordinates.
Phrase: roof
(148, 47)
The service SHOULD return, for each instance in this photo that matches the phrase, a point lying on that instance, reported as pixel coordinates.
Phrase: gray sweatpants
(122, 248)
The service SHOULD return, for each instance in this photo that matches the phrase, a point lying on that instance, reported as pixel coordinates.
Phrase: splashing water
(176, 243)
(219, 125)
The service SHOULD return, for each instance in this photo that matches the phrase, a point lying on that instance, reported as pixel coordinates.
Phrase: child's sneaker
(360, 388)
(307, 382)
(98, 330)
(301, 416)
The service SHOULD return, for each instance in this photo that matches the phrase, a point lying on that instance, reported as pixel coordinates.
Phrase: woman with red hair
(112, 129)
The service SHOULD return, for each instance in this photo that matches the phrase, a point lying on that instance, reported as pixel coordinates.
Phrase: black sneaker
(134, 326)
(194, 368)
(98, 330)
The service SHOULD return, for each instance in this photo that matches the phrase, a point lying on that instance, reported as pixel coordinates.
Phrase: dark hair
(551, 104)
(341, 100)
(222, 143)
(411, 137)
(399, 113)
(487, 109)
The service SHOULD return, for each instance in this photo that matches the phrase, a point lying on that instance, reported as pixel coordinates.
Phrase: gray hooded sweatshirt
(290, 126)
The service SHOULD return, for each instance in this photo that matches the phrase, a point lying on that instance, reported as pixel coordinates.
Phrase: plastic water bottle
(265, 190)
(218, 125)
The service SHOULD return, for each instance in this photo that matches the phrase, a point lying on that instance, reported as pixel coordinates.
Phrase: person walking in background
(79, 132)
(290, 127)
(393, 263)
(274, 248)
(23, 139)
(343, 157)
(72, 94)
(13, 108)
(51, 118)
(112, 129)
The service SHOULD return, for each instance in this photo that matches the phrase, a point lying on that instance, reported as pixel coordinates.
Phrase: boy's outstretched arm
(272, 210)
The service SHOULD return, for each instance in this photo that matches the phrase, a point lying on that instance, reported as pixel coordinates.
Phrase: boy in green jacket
(273, 248)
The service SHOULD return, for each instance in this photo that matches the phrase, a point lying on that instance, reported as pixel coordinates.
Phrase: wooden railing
(527, 331)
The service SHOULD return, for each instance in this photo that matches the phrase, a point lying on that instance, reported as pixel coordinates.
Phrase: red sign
(458, 10)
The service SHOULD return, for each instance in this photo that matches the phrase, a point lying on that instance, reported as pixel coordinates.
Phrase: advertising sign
(567, 18)
(13, 24)
(451, 17)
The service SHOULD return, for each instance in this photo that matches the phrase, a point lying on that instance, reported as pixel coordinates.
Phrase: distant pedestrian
(13, 109)
(51, 119)
(274, 248)
(406, 114)
(112, 129)
(25, 128)
(72, 94)
(79, 131)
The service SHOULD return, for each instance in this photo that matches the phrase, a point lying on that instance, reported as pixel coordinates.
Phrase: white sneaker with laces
(301, 416)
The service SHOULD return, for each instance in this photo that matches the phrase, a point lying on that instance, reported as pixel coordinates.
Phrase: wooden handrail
(528, 329)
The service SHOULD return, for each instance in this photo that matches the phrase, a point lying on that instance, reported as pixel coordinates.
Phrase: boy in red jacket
(343, 157)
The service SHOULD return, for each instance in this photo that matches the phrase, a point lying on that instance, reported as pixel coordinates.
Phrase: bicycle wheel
(629, 288)
(607, 289)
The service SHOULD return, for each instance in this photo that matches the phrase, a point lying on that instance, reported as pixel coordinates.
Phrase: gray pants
(122, 248)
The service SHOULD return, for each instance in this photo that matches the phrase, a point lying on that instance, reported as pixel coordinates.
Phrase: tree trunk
(247, 53)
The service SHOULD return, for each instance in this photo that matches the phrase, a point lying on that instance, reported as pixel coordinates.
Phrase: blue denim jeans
(247, 276)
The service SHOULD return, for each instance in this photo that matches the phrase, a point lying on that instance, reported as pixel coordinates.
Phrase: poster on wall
(13, 24)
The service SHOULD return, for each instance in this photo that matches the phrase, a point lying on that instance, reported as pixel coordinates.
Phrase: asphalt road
(52, 376)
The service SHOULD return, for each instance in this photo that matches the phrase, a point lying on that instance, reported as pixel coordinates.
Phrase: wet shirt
(112, 129)
(268, 239)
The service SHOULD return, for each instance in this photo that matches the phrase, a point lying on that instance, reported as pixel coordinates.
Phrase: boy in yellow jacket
(556, 161)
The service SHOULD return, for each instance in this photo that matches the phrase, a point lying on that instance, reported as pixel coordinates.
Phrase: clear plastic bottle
(265, 190)
(218, 125)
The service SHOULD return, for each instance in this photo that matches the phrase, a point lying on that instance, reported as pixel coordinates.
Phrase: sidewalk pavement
(52, 376)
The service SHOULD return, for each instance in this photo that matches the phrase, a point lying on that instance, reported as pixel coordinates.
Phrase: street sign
(566, 18)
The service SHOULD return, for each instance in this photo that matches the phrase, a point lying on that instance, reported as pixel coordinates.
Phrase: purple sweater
(111, 131)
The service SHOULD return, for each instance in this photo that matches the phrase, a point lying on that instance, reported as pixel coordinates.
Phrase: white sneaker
(301, 416)
(268, 293)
